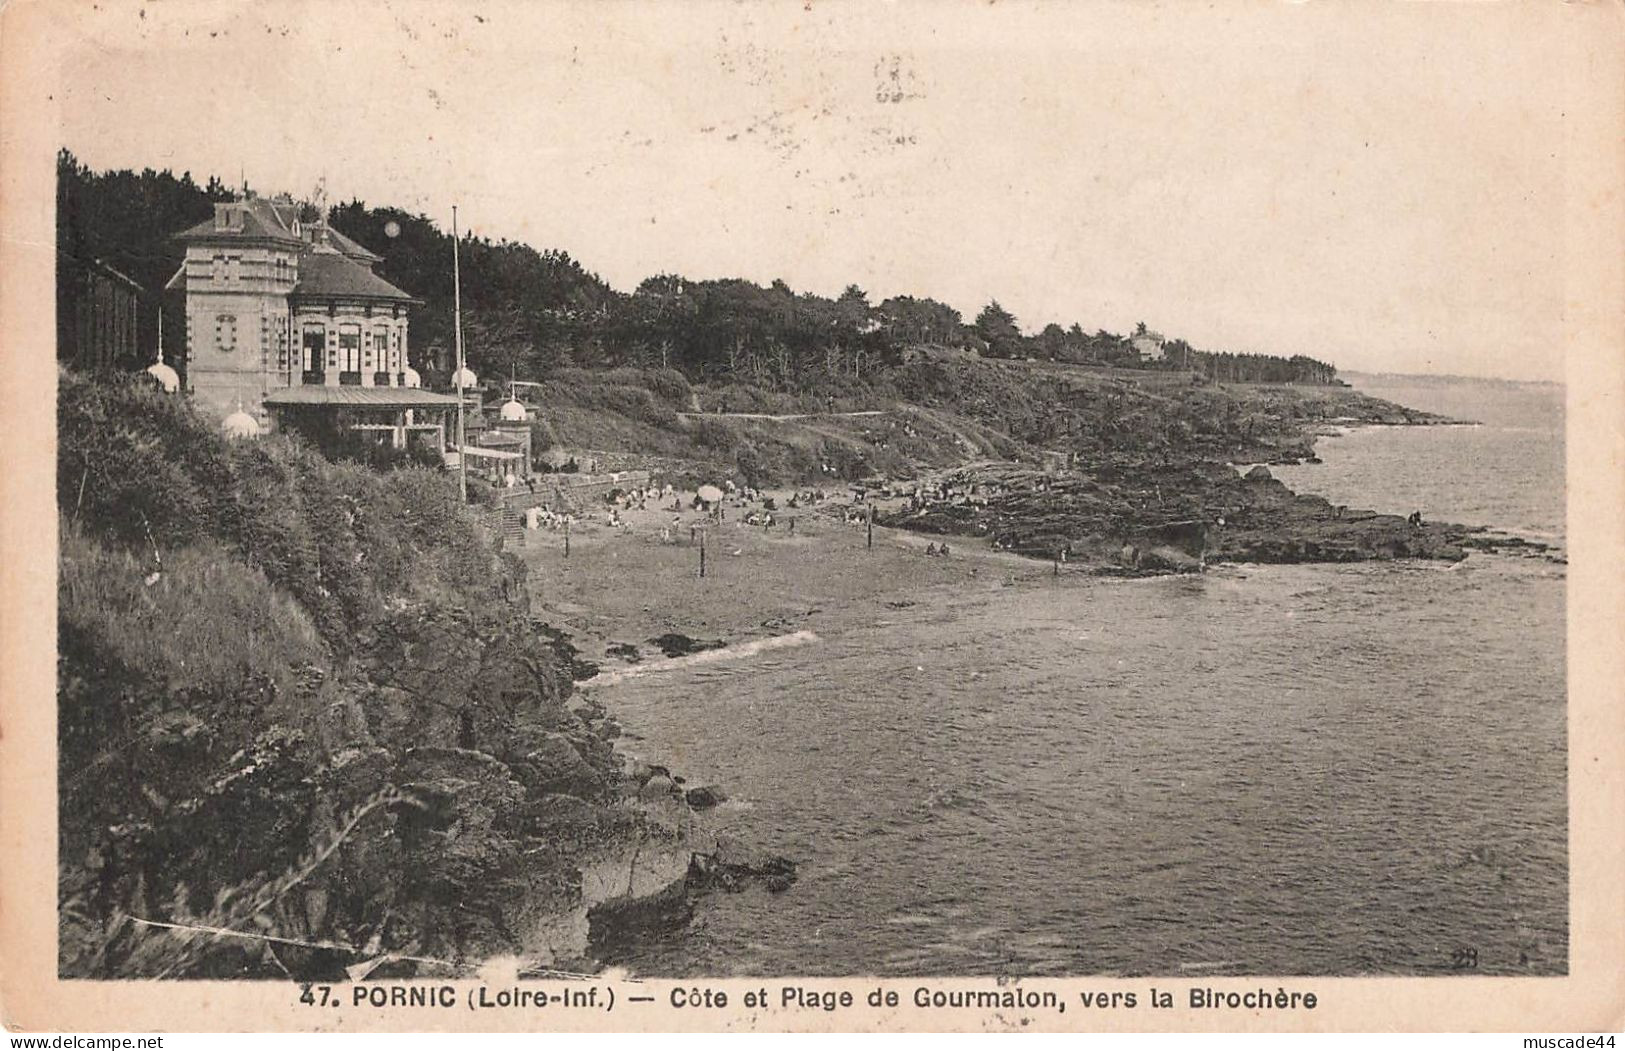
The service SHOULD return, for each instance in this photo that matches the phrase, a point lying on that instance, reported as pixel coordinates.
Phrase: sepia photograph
(952, 495)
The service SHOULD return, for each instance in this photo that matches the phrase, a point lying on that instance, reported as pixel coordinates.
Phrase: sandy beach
(628, 586)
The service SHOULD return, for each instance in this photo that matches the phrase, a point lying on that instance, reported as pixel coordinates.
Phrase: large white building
(286, 318)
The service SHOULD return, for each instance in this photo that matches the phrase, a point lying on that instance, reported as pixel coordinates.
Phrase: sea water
(1300, 769)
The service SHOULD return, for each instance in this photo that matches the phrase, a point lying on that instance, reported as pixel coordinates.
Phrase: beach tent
(709, 493)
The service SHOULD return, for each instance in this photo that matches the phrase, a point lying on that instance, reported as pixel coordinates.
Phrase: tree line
(529, 311)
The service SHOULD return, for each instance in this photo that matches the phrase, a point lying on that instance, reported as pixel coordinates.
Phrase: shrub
(670, 386)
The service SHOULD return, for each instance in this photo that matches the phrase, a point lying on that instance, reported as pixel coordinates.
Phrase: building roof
(349, 247)
(329, 274)
(261, 220)
(361, 397)
(118, 275)
(264, 219)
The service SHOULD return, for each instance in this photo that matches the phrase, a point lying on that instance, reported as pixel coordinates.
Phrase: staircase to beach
(513, 529)
(507, 525)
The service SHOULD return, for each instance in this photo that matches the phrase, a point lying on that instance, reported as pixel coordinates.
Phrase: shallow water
(1284, 769)
(1506, 472)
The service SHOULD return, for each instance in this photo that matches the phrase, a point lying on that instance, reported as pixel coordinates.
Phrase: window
(234, 268)
(225, 332)
(314, 348)
(217, 269)
(350, 348)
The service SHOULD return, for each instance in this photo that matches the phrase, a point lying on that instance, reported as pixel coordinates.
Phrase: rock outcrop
(1159, 519)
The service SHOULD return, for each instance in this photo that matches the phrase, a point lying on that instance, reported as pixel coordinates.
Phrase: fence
(572, 492)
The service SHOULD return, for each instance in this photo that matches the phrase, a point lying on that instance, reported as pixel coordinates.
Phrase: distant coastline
(1432, 378)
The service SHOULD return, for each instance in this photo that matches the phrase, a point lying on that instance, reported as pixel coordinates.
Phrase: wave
(725, 653)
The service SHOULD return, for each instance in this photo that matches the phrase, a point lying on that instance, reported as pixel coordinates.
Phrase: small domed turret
(240, 425)
(410, 377)
(168, 380)
(513, 412)
(464, 377)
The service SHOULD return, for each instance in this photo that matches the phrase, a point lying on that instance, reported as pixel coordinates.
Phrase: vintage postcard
(815, 516)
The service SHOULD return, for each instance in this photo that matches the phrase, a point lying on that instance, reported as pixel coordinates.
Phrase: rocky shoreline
(648, 875)
(1140, 516)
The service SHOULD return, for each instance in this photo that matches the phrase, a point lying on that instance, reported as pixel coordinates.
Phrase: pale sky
(1381, 186)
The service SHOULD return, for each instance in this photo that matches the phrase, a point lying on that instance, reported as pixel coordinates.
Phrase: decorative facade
(281, 312)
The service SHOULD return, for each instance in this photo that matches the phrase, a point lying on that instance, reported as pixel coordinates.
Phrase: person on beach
(931, 549)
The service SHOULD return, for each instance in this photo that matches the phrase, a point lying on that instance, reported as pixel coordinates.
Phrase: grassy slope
(299, 698)
(941, 409)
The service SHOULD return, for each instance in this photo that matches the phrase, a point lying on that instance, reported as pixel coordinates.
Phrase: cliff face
(306, 702)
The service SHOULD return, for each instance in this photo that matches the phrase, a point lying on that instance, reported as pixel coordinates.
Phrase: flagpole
(457, 308)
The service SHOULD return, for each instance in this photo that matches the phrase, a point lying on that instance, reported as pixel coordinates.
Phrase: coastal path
(779, 416)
